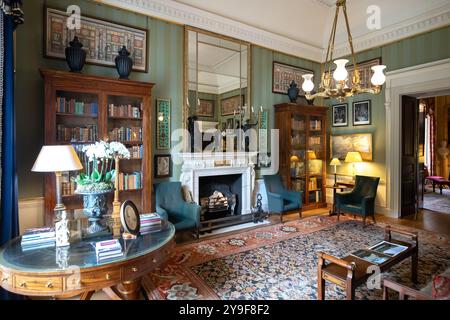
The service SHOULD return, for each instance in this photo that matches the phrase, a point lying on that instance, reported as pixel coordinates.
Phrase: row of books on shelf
(130, 181)
(315, 124)
(136, 152)
(37, 238)
(314, 183)
(128, 111)
(315, 196)
(126, 134)
(76, 107)
(150, 222)
(298, 124)
(87, 133)
(315, 140)
(108, 249)
(298, 140)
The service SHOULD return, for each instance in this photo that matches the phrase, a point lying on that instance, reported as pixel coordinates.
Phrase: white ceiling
(309, 21)
(298, 27)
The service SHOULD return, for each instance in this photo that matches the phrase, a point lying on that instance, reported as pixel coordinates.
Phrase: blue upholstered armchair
(171, 206)
(280, 199)
(361, 200)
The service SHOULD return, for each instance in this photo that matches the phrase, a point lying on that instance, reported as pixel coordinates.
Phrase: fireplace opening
(220, 196)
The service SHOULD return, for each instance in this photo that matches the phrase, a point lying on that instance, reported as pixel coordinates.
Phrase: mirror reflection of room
(217, 84)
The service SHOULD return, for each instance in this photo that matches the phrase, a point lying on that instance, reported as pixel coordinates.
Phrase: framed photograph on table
(340, 115)
(283, 74)
(163, 166)
(362, 113)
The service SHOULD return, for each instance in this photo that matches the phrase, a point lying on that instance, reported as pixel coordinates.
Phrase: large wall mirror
(217, 80)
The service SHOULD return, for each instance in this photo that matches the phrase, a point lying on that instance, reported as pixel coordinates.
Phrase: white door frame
(420, 79)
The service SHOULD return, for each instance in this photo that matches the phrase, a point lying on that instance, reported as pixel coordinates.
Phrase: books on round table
(38, 238)
(108, 249)
(150, 222)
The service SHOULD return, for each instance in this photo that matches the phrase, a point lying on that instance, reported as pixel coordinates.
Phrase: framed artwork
(163, 166)
(365, 73)
(283, 74)
(205, 109)
(342, 144)
(163, 124)
(101, 39)
(340, 115)
(230, 106)
(361, 113)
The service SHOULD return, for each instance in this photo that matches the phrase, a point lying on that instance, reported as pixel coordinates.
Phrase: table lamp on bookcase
(335, 162)
(353, 157)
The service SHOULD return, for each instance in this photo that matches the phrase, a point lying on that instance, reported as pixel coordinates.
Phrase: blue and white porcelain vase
(124, 63)
(293, 91)
(95, 206)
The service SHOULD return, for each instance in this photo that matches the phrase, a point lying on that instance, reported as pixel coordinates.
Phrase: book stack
(136, 152)
(76, 107)
(88, 133)
(150, 222)
(108, 249)
(38, 238)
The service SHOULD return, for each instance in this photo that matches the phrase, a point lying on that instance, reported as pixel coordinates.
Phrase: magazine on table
(389, 248)
(371, 256)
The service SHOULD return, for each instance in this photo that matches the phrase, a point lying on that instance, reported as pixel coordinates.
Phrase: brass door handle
(108, 276)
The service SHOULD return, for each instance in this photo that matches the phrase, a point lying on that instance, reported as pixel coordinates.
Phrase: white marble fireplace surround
(196, 165)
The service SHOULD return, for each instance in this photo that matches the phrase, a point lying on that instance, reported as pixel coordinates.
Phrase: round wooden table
(73, 270)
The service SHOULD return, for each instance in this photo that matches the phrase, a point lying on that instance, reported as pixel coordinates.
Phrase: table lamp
(311, 155)
(57, 159)
(335, 162)
(353, 157)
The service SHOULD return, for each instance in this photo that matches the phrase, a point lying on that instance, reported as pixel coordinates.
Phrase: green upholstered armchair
(171, 206)
(361, 200)
(279, 198)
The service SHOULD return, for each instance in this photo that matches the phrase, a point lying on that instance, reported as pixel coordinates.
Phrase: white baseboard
(31, 213)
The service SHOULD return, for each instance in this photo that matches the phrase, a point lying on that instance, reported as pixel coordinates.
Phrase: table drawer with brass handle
(5, 279)
(95, 278)
(41, 284)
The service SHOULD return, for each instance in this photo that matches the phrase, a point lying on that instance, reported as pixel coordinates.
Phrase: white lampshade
(307, 85)
(57, 159)
(353, 156)
(378, 77)
(340, 73)
(335, 162)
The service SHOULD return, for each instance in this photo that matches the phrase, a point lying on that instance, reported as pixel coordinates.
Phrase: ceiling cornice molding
(179, 13)
(434, 19)
(170, 10)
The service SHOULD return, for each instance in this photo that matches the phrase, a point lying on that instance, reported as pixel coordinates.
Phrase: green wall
(165, 70)
(423, 48)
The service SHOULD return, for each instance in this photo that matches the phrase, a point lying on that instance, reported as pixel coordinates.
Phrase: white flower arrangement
(99, 162)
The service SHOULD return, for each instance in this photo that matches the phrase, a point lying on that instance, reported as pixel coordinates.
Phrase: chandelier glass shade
(334, 85)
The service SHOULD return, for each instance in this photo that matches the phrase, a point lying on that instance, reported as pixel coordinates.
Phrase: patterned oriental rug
(280, 262)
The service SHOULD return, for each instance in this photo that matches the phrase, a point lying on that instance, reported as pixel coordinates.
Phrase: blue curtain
(9, 220)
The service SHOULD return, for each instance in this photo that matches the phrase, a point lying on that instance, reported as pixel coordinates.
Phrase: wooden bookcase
(302, 132)
(78, 111)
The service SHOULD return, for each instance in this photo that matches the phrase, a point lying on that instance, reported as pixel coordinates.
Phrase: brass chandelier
(339, 90)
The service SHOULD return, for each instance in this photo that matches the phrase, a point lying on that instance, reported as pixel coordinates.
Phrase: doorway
(425, 181)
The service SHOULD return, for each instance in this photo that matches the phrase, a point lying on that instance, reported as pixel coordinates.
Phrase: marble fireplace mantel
(196, 165)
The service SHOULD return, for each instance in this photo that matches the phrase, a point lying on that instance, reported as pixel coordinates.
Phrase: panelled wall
(165, 61)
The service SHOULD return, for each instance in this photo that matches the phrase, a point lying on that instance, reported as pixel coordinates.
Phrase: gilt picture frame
(101, 39)
(340, 145)
(206, 108)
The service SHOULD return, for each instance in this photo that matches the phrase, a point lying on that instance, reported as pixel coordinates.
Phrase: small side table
(339, 186)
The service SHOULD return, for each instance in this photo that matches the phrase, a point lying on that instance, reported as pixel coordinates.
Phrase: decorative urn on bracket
(293, 92)
(124, 63)
(75, 55)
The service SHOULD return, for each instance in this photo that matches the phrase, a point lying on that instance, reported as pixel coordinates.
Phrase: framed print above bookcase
(340, 115)
(283, 74)
(102, 39)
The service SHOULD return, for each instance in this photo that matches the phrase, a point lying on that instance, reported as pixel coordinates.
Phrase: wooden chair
(404, 292)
